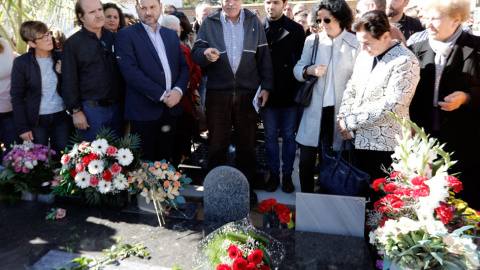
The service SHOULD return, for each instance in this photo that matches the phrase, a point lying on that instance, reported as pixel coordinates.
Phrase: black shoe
(253, 197)
(272, 183)
(287, 184)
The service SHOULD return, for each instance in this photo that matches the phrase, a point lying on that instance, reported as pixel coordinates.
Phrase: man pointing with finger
(237, 63)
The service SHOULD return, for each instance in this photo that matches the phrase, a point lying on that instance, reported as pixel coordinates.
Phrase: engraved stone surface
(226, 195)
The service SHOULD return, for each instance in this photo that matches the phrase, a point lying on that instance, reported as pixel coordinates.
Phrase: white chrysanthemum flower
(95, 166)
(120, 182)
(82, 179)
(124, 156)
(104, 186)
(29, 165)
(74, 151)
(407, 225)
(99, 146)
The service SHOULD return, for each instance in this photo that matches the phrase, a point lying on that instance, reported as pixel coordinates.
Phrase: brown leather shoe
(287, 184)
(272, 183)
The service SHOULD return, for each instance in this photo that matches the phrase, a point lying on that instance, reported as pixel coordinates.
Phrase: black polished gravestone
(26, 237)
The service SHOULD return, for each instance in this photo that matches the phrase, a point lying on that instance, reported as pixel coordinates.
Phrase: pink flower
(54, 183)
(83, 146)
(60, 213)
(418, 181)
(116, 169)
(64, 160)
(94, 181)
(25, 170)
(79, 167)
(111, 150)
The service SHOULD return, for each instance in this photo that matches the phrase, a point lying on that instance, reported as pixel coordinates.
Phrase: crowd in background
(149, 76)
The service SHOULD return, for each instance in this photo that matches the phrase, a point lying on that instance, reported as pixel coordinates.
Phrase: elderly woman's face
(439, 25)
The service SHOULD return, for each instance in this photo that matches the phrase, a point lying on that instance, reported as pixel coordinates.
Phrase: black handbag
(340, 177)
(304, 92)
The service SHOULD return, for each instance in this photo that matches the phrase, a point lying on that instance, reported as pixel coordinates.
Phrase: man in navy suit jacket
(156, 73)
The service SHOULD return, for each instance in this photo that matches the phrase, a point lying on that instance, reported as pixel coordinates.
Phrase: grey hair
(170, 19)
(201, 6)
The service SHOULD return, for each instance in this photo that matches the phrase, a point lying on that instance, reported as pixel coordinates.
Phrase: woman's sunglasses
(326, 20)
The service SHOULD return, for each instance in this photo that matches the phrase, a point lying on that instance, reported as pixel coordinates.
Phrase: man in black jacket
(92, 84)
(285, 39)
(397, 17)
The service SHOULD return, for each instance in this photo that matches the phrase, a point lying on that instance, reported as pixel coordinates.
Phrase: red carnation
(255, 256)
(86, 160)
(389, 187)
(73, 173)
(421, 192)
(402, 191)
(419, 180)
(251, 266)
(107, 176)
(223, 267)
(79, 167)
(234, 252)
(388, 204)
(240, 264)
(396, 174)
(444, 214)
(455, 183)
(376, 184)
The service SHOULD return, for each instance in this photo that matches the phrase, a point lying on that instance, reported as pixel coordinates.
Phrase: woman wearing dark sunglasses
(333, 65)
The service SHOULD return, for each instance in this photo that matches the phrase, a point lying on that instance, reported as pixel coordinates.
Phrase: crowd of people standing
(147, 76)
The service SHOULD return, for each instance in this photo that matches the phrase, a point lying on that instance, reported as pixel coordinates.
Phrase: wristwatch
(75, 110)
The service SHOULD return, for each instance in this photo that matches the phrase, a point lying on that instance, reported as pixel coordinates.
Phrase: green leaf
(438, 256)
(459, 231)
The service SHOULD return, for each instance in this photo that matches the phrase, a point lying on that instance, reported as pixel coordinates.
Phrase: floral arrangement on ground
(419, 224)
(160, 183)
(237, 246)
(98, 170)
(276, 215)
(26, 167)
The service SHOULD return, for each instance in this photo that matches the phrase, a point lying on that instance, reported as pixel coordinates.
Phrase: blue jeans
(57, 127)
(98, 116)
(8, 134)
(202, 89)
(285, 120)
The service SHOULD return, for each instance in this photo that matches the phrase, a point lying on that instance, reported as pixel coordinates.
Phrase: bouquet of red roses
(275, 213)
(254, 260)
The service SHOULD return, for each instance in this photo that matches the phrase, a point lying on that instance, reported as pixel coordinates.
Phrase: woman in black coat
(447, 99)
(38, 109)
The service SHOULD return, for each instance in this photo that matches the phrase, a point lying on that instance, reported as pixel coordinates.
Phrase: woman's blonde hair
(453, 8)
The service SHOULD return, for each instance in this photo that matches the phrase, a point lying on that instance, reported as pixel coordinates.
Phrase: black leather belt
(101, 103)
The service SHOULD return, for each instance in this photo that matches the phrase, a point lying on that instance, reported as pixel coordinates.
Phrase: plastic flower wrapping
(158, 182)
(99, 167)
(27, 165)
(239, 245)
(419, 224)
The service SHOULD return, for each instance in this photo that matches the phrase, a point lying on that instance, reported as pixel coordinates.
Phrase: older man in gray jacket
(237, 64)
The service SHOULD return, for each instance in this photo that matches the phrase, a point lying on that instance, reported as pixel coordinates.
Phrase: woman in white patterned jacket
(384, 79)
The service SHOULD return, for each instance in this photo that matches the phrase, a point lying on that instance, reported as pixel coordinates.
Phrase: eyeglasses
(326, 20)
(45, 37)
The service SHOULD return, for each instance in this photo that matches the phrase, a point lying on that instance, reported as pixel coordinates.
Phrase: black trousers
(157, 136)
(371, 162)
(223, 112)
(308, 154)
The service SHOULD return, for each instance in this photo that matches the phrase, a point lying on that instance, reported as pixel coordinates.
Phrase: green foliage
(111, 256)
(58, 13)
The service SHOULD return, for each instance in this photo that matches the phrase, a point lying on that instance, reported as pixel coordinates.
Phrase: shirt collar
(148, 28)
(380, 56)
(90, 33)
(241, 18)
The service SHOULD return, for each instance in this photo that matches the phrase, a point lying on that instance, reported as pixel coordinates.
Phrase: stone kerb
(226, 195)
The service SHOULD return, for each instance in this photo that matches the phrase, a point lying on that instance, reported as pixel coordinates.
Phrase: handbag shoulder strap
(315, 49)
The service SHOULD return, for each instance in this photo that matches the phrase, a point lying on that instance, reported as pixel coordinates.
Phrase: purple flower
(25, 170)
(379, 264)
(18, 169)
